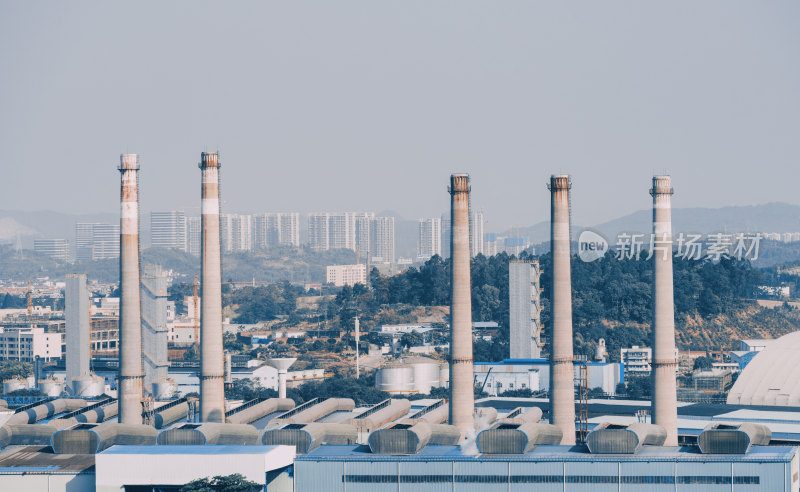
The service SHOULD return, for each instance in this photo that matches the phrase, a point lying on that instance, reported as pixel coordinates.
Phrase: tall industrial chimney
(562, 376)
(462, 396)
(665, 400)
(130, 315)
(212, 365)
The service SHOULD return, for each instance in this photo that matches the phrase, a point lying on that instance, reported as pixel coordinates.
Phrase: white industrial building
(534, 374)
(341, 275)
(26, 344)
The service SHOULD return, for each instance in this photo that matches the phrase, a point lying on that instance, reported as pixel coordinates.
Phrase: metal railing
(299, 409)
(245, 406)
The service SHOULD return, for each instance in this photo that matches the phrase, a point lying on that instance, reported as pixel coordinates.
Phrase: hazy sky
(371, 105)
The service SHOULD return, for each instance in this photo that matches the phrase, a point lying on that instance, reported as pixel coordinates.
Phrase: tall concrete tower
(462, 396)
(665, 400)
(130, 314)
(76, 312)
(212, 363)
(562, 376)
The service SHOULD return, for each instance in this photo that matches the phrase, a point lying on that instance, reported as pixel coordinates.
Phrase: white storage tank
(14, 384)
(395, 378)
(88, 386)
(426, 373)
(51, 387)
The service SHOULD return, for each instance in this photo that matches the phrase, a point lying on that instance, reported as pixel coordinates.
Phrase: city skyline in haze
(363, 106)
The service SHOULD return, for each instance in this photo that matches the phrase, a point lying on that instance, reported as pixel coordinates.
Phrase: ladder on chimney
(582, 416)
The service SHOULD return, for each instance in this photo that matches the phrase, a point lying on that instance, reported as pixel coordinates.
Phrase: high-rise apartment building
(236, 232)
(58, 249)
(429, 238)
(338, 230)
(445, 235)
(168, 230)
(382, 240)
(363, 236)
(96, 241)
(193, 235)
(276, 229)
(476, 233)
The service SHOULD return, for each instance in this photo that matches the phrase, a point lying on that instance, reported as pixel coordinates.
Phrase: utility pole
(358, 338)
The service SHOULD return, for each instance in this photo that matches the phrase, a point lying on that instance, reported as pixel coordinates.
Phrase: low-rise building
(341, 275)
(26, 344)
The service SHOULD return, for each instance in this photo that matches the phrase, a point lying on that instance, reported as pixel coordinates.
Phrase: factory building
(534, 374)
(27, 344)
(545, 469)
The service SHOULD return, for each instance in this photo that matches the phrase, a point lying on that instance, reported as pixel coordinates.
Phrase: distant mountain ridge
(769, 217)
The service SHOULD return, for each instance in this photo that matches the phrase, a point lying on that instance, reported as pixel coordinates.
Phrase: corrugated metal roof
(175, 449)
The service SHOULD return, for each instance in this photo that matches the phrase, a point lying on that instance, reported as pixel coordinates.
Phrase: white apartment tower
(382, 240)
(276, 229)
(168, 230)
(236, 232)
(429, 242)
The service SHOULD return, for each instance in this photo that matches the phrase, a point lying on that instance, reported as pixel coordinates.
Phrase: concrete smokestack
(130, 315)
(665, 400)
(562, 376)
(462, 396)
(212, 364)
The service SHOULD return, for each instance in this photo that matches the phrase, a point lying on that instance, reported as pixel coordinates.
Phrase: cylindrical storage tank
(51, 387)
(395, 378)
(426, 374)
(88, 386)
(170, 415)
(14, 384)
(164, 388)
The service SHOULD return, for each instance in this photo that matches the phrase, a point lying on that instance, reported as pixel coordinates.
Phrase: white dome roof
(772, 377)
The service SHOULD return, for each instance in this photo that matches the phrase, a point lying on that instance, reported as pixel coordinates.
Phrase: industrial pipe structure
(719, 438)
(26, 434)
(380, 415)
(209, 433)
(665, 397)
(462, 390)
(562, 376)
(130, 314)
(212, 365)
(316, 411)
(517, 438)
(609, 438)
(522, 415)
(260, 410)
(46, 410)
(411, 439)
(93, 438)
(93, 416)
(308, 437)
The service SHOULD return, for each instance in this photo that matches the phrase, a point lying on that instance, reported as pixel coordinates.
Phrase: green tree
(702, 363)
(11, 368)
(227, 483)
